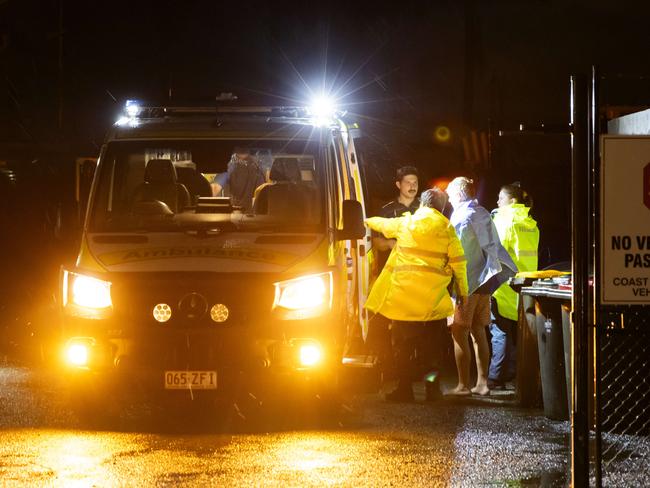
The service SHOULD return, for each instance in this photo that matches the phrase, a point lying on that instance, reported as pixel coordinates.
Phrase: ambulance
(185, 292)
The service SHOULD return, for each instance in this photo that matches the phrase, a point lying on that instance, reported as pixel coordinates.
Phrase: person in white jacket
(488, 266)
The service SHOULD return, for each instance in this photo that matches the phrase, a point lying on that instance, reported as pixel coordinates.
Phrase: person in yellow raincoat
(412, 289)
(519, 235)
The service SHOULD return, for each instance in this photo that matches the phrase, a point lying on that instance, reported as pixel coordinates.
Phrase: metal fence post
(581, 254)
(595, 321)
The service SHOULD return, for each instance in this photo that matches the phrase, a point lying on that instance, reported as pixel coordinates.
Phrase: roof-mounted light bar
(320, 113)
(322, 110)
(132, 108)
(130, 116)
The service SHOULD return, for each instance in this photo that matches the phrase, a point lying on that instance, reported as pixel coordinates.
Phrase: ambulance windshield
(179, 185)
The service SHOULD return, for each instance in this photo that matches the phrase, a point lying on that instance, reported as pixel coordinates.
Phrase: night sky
(402, 68)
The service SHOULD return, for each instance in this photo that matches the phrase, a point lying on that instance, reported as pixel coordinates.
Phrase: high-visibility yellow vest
(519, 234)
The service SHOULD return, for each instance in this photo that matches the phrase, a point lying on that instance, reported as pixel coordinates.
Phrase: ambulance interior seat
(194, 181)
(287, 198)
(160, 183)
(285, 169)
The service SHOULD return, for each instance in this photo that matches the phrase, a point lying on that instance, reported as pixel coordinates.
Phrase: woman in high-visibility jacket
(412, 288)
(519, 235)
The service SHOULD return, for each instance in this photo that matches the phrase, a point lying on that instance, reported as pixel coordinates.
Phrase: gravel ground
(475, 442)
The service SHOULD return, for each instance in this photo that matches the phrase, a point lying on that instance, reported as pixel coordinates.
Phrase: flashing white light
(131, 122)
(132, 108)
(322, 110)
(131, 111)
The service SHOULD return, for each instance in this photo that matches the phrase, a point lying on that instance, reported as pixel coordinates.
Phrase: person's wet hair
(434, 198)
(464, 187)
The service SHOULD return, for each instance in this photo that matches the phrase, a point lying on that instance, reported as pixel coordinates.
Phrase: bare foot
(459, 391)
(482, 390)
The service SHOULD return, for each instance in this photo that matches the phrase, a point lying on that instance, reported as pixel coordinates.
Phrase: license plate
(190, 380)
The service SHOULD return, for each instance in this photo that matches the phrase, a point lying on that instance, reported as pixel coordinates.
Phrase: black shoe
(496, 384)
(400, 395)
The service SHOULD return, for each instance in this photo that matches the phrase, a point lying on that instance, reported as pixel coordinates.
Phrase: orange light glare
(77, 354)
(310, 355)
(442, 134)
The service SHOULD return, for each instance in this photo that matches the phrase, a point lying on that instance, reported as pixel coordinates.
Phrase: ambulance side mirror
(353, 227)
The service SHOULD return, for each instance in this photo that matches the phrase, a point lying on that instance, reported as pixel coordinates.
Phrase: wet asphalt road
(446, 443)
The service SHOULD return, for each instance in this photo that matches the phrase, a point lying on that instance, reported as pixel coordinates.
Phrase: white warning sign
(625, 220)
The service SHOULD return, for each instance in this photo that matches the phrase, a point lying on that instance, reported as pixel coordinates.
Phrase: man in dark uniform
(406, 180)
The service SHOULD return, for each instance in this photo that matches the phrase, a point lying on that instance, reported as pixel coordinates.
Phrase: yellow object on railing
(547, 273)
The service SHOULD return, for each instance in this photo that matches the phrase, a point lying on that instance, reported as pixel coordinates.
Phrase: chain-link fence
(624, 364)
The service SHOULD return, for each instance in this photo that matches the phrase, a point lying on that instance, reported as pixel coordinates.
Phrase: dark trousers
(503, 339)
(413, 349)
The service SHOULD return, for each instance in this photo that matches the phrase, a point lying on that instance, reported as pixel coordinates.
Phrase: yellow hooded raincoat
(413, 284)
(519, 234)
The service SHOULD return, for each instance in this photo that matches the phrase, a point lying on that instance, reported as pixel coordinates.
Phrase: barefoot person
(488, 266)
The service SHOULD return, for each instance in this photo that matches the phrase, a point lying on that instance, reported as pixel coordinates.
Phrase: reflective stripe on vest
(528, 253)
(421, 252)
(458, 259)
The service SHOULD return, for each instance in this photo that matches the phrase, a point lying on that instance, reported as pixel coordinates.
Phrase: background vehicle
(181, 294)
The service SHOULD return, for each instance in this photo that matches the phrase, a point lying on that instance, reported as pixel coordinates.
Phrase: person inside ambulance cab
(242, 177)
(240, 155)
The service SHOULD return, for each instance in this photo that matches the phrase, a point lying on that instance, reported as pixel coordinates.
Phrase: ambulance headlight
(303, 297)
(86, 296)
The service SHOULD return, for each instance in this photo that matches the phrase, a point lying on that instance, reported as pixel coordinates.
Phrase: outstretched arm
(388, 227)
